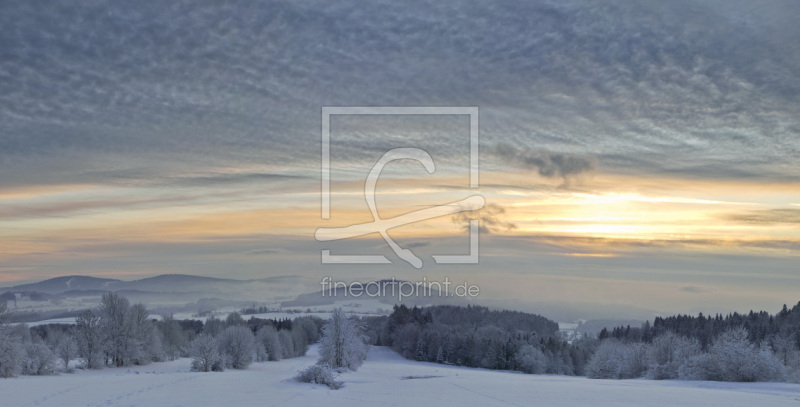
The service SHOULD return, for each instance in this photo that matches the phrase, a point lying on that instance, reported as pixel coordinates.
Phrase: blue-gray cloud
(491, 217)
(547, 164)
(693, 289)
(108, 91)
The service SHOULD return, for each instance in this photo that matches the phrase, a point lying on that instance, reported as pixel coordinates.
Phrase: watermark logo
(381, 226)
(398, 289)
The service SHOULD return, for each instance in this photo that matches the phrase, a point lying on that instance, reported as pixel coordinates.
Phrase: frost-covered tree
(605, 362)
(234, 319)
(667, 353)
(237, 345)
(66, 349)
(213, 326)
(128, 333)
(287, 345)
(616, 360)
(440, 358)
(734, 358)
(343, 343)
(204, 351)
(268, 344)
(173, 337)
(39, 360)
(154, 347)
(698, 367)
(309, 327)
(140, 344)
(21, 332)
(530, 359)
(785, 346)
(146, 342)
(4, 312)
(116, 327)
(12, 353)
(299, 340)
(89, 338)
(405, 340)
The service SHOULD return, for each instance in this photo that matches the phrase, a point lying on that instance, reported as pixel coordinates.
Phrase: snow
(361, 308)
(68, 321)
(384, 379)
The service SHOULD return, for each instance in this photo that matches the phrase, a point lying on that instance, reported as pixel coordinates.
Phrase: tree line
(119, 334)
(738, 347)
(761, 327)
(475, 336)
(749, 347)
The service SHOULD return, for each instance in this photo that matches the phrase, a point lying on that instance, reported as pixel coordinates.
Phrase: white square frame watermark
(474, 178)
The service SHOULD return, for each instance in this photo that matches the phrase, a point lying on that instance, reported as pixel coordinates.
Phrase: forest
(749, 347)
(475, 336)
(738, 347)
(757, 346)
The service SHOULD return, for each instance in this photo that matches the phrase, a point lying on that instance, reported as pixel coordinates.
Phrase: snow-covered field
(385, 379)
(323, 312)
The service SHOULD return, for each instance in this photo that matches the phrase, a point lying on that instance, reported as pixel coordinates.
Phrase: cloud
(413, 245)
(229, 179)
(766, 217)
(168, 95)
(548, 164)
(490, 217)
(704, 90)
(586, 242)
(261, 252)
(693, 289)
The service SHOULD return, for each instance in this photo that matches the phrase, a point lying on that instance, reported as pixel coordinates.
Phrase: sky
(639, 153)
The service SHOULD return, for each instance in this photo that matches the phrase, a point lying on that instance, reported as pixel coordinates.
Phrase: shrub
(319, 374)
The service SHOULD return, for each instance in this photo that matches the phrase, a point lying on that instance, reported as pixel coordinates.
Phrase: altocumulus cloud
(103, 92)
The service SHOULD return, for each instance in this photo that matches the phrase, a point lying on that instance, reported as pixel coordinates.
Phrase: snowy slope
(384, 379)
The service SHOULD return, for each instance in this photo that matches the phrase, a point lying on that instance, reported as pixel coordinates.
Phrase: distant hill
(67, 283)
(182, 283)
(163, 293)
(166, 283)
